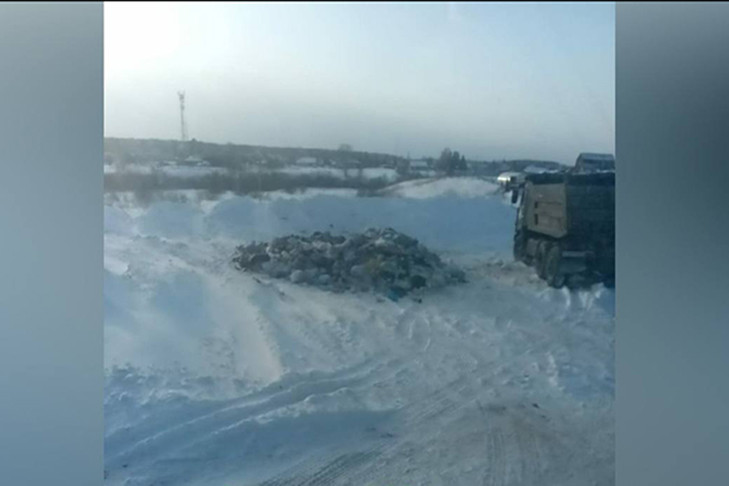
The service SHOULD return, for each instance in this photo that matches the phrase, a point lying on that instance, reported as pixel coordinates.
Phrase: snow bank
(379, 172)
(446, 223)
(311, 171)
(306, 194)
(465, 187)
(367, 173)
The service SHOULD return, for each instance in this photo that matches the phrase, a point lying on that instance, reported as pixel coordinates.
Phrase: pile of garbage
(380, 260)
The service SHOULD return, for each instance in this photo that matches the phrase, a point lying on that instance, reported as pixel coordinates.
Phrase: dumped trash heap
(380, 260)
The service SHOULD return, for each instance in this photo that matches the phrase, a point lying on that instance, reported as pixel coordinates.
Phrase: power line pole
(183, 126)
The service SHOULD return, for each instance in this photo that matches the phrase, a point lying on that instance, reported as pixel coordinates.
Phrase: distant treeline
(236, 157)
(233, 156)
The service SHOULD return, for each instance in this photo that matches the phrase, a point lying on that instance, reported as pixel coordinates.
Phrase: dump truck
(565, 227)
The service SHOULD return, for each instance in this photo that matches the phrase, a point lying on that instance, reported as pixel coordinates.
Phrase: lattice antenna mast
(183, 125)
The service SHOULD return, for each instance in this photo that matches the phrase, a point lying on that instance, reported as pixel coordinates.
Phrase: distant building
(419, 165)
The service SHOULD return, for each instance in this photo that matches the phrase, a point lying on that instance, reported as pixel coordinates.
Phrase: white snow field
(217, 377)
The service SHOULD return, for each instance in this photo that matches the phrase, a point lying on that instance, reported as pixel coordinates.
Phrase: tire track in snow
(495, 474)
(417, 416)
(526, 442)
(238, 410)
(415, 413)
(442, 405)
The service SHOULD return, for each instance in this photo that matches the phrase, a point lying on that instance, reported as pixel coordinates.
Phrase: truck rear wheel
(552, 272)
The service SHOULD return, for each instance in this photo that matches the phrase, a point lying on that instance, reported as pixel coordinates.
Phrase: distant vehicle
(510, 181)
(565, 227)
(588, 162)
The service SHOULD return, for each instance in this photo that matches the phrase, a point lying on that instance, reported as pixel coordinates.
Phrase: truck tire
(573, 282)
(552, 273)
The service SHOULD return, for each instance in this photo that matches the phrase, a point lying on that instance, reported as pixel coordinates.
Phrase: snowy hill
(217, 377)
(465, 187)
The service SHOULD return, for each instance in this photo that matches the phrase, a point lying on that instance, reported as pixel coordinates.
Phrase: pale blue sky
(490, 80)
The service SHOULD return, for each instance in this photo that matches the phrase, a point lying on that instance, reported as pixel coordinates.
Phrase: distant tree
(444, 162)
(450, 162)
(345, 147)
(455, 162)
(462, 165)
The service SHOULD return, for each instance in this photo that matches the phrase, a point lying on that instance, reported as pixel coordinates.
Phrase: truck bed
(558, 205)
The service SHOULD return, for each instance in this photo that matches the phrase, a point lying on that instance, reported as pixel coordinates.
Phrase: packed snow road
(217, 377)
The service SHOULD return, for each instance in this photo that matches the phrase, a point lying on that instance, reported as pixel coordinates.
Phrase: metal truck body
(565, 227)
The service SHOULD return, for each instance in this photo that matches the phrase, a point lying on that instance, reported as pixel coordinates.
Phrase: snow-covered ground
(217, 377)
